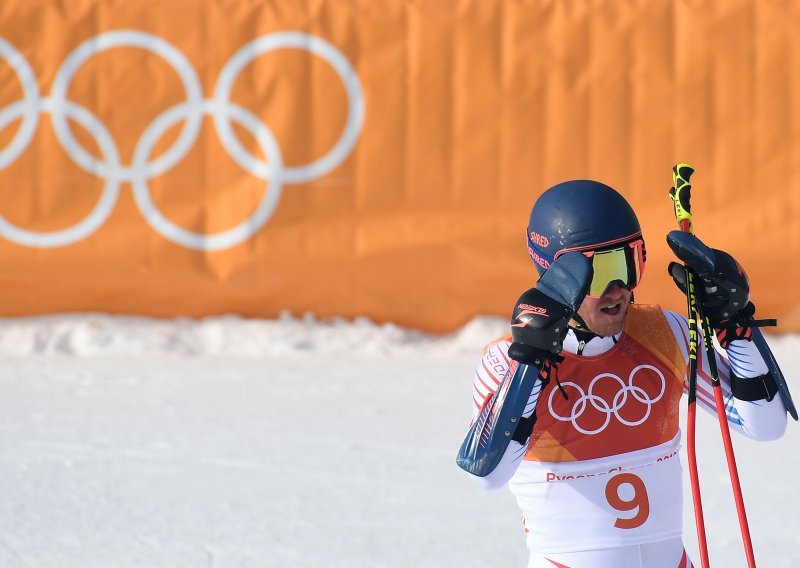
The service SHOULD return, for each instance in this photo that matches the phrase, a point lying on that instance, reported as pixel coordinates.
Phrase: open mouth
(612, 310)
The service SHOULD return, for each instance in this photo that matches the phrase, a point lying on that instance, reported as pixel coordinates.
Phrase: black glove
(538, 327)
(725, 297)
(541, 315)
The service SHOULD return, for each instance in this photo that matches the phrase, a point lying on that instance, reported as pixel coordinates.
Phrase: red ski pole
(680, 194)
(681, 175)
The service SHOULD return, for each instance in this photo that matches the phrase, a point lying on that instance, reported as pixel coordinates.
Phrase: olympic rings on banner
(142, 168)
(589, 399)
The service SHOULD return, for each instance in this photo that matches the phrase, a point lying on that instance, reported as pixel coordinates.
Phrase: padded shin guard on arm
(539, 325)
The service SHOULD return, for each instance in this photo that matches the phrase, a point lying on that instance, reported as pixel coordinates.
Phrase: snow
(225, 442)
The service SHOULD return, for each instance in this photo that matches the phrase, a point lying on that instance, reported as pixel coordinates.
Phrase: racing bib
(601, 503)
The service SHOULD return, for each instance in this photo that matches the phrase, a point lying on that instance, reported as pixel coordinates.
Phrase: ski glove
(541, 315)
(725, 297)
(538, 327)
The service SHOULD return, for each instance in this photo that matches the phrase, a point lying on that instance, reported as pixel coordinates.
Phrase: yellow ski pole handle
(681, 193)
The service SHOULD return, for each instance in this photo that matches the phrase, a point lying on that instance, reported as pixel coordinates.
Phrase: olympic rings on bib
(142, 168)
(590, 400)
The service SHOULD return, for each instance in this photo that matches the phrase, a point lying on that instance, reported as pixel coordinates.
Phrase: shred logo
(544, 263)
(540, 240)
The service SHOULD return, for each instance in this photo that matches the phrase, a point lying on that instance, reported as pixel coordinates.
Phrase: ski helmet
(583, 215)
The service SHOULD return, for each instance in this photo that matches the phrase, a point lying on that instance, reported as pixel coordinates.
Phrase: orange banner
(378, 158)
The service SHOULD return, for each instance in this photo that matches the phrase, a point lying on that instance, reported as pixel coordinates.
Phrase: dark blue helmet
(579, 215)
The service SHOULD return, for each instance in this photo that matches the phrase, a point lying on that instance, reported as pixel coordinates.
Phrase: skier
(593, 462)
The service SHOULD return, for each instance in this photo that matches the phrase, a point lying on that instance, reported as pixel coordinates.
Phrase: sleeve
(757, 419)
(491, 371)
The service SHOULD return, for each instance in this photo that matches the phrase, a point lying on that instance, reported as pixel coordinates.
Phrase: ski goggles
(622, 265)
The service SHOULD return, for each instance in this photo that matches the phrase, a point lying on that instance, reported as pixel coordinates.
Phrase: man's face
(606, 315)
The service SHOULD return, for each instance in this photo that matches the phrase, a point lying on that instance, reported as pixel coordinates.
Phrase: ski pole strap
(740, 326)
(755, 388)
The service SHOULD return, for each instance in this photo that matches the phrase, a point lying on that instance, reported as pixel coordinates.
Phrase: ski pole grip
(681, 194)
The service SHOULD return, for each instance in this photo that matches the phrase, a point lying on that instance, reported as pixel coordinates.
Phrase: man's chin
(606, 324)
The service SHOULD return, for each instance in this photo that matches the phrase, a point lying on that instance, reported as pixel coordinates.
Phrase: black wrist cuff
(524, 429)
(756, 388)
(528, 354)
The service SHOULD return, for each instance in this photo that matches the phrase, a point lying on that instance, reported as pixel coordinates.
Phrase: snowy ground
(231, 443)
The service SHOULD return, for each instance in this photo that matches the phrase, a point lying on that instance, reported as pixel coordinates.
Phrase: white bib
(630, 498)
